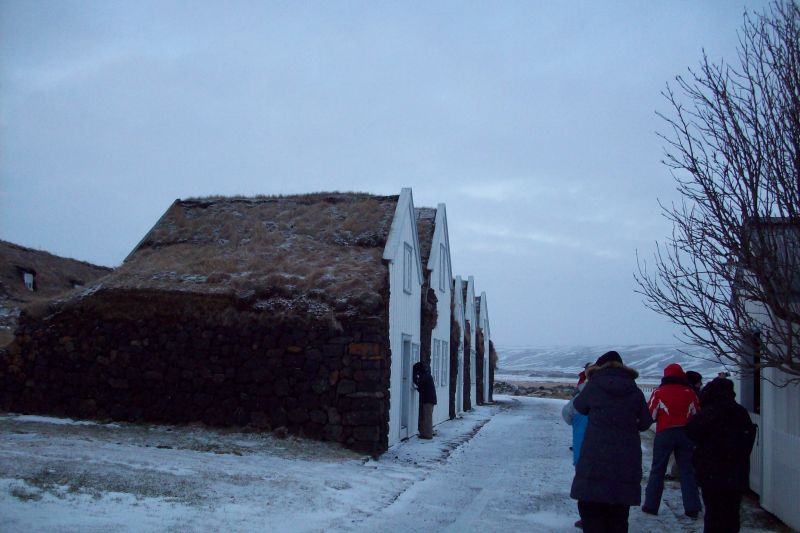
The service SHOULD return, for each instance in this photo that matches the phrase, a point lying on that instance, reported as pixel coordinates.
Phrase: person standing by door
(423, 382)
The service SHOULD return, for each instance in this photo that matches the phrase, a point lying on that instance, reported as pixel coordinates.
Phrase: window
(446, 362)
(750, 391)
(442, 267)
(407, 253)
(28, 278)
(472, 377)
(435, 360)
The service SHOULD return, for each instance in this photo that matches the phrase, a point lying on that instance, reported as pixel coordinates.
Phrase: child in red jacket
(671, 405)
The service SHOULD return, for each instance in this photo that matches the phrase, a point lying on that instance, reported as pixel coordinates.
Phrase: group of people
(704, 428)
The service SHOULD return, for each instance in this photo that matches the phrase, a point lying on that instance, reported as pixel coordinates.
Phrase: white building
(774, 402)
(483, 322)
(459, 288)
(470, 326)
(435, 252)
(405, 283)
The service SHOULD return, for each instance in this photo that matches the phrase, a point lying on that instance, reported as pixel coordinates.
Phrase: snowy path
(504, 467)
(509, 477)
(514, 475)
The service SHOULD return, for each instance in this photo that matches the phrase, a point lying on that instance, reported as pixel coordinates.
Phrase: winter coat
(725, 436)
(568, 411)
(609, 469)
(423, 382)
(578, 422)
(674, 401)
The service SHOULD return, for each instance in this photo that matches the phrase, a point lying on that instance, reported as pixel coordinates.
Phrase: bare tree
(729, 272)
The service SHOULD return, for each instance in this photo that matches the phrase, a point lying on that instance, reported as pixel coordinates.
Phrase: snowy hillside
(567, 361)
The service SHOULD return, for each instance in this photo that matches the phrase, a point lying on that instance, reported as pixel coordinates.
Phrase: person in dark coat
(695, 380)
(609, 471)
(423, 382)
(724, 434)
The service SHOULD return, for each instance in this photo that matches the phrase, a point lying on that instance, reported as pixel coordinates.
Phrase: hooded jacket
(725, 436)
(423, 382)
(609, 469)
(674, 401)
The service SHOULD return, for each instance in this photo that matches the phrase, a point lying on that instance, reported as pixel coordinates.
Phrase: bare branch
(732, 143)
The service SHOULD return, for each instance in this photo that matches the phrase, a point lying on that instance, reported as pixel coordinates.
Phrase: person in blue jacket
(575, 419)
(578, 422)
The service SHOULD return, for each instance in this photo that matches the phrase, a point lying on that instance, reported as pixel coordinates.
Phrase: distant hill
(567, 361)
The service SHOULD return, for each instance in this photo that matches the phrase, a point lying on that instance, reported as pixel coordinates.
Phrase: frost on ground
(502, 467)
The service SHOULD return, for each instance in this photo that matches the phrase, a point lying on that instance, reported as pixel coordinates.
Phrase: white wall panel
(458, 309)
(404, 319)
(441, 332)
(470, 316)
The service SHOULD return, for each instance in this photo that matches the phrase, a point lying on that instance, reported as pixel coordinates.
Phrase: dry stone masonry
(176, 369)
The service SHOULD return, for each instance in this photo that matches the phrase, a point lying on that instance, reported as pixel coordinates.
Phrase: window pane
(407, 268)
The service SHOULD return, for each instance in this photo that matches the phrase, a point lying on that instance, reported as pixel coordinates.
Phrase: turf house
(470, 352)
(437, 294)
(482, 346)
(300, 312)
(457, 346)
(31, 277)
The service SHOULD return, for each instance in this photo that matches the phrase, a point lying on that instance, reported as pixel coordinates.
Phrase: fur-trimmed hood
(614, 378)
(613, 364)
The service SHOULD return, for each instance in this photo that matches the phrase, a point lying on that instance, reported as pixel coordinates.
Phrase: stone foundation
(317, 381)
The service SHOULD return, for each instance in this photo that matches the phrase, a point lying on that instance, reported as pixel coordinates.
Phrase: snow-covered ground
(503, 467)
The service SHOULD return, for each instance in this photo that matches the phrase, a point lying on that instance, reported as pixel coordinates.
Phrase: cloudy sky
(534, 122)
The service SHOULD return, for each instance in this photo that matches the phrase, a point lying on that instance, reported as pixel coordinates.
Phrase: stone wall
(315, 380)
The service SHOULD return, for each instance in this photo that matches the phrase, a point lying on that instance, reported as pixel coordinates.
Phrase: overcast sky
(534, 122)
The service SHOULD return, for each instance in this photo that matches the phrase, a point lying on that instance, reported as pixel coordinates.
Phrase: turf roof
(426, 225)
(55, 275)
(321, 253)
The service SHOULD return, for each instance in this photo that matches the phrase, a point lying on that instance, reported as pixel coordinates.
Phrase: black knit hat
(693, 377)
(608, 357)
(717, 389)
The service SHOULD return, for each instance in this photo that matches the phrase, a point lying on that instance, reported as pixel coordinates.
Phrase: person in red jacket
(671, 405)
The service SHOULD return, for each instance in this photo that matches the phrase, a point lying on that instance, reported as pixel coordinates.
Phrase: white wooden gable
(458, 311)
(484, 320)
(441, 274)
(405, 287)
(469, 316)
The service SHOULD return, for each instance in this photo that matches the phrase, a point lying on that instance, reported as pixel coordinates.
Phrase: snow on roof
(321, 252)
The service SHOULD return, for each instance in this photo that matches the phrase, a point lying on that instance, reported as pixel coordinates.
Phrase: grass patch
(25, 494)
(62, 482)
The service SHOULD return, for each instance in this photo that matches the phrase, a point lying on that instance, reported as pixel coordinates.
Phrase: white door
(405, 388)
(460, 385)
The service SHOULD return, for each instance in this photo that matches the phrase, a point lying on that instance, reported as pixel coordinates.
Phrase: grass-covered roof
(317, 254)
(55, 275)
(426, 225)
